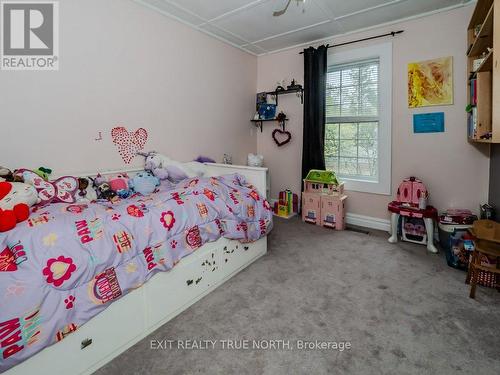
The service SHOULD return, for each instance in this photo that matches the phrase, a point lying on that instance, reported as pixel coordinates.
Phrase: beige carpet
(403, 310)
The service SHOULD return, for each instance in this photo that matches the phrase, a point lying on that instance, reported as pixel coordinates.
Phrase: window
(358, 114)
(352, 119)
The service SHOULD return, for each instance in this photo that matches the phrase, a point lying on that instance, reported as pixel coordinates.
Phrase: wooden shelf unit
(487, 76)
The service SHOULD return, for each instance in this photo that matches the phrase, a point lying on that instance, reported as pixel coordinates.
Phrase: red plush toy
(15, 200)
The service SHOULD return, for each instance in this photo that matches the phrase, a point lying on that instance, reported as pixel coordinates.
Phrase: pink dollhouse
(417, 218)
(323, 200)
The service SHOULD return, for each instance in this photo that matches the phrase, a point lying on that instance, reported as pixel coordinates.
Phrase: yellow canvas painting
(430, 82)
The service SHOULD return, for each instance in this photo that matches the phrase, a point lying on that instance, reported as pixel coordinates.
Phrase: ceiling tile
(254, 49)
(256, 23)
(167, 8)
(223, 34)
(211, 9)
(394, 12)
(341, 7)
(300, 37)
(253, 26)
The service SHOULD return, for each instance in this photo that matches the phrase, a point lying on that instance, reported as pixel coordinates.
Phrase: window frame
(383, 52)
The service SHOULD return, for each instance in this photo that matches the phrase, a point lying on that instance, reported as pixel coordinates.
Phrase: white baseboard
(368, 222)
(361, 220)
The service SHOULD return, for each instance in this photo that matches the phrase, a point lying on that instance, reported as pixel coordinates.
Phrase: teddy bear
(15, 200)
(165, 168)
(144, 183)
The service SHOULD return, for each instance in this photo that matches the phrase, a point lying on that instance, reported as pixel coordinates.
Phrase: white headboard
(254, 175)
(257, 176)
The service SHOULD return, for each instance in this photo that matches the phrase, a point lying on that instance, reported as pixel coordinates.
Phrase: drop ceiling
(250, 25)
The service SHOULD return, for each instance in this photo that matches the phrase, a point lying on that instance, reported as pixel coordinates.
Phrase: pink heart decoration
(129, 144)
(284, 135)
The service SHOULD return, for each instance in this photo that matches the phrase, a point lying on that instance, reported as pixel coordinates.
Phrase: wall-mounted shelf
(299, 90)
(483, 119)
(480, 140)
(259, 123)
(485, 37)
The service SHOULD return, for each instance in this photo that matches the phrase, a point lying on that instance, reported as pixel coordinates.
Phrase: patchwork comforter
(67, 263)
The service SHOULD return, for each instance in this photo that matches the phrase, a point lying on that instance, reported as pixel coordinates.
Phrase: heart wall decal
(129, 143)
(281, 137)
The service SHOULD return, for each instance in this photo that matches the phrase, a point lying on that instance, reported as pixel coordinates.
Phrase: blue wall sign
(428, 122)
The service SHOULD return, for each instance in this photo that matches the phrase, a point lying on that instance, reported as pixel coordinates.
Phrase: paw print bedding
(68, 262)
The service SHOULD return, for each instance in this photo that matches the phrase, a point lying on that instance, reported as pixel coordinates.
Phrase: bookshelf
(483, 73)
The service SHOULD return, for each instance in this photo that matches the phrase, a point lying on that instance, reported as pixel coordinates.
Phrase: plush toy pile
(25, 188)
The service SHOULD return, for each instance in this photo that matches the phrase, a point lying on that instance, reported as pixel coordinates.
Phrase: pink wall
(455, 172)
(122, 63)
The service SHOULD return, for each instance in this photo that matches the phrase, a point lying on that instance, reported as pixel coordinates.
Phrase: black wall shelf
(299, 90)
(259, 123)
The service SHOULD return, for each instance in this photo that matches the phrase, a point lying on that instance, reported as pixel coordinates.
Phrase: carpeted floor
(403, 310)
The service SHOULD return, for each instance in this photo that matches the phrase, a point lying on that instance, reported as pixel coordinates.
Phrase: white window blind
(352, 119)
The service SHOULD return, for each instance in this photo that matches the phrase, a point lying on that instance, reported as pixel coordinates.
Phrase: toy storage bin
(451, 241)
(453, 226)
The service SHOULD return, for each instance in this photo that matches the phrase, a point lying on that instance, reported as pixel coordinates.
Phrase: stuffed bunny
(163, 167)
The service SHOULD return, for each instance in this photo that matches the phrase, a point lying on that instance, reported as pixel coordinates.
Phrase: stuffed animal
(144, 183)
(103, 189)
(44, 173)
(86, 192)
(15, 200)
(154, 163)
(164, 167)
(61, 190)
(120, 185)
(204, 159)
(7, 175)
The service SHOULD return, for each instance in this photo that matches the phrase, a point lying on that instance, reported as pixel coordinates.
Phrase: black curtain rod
(392, 33)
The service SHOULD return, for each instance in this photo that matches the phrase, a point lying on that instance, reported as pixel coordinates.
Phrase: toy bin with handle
(453, 234)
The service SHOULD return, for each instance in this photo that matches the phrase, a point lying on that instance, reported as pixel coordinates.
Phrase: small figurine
(227, 159)
(294, 85)
(281, 118)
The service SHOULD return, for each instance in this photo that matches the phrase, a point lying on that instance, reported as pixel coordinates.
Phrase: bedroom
(375, 91)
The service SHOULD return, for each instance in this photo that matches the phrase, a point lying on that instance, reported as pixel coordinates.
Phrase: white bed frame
(142, 311)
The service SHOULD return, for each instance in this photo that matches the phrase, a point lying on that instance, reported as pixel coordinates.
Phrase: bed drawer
(169, 292)
(94, 343)
(236, 255)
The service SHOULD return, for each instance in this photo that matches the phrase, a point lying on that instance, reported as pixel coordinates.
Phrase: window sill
(365, 186)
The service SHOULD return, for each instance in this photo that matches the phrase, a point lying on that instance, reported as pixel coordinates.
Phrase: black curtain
(315, 69)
